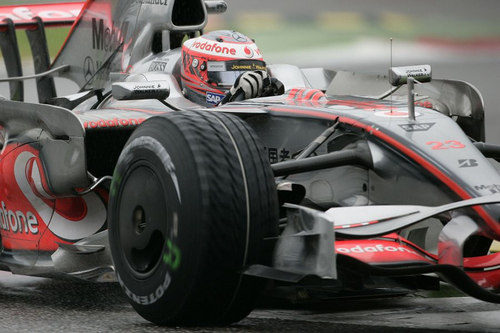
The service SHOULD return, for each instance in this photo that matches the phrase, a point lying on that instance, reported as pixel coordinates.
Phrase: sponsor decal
(374, 248)
(424, 104)
(115, 122)
(417, 127)
(195, 63)
(173, 256)
(88, 68)
(248, 52)
(239, 37)
(467, 163)
(214, 47)
(18, 222)
(416, 72)
(213, 98)
(147, 299)
(247, 67)
(276, 155)
(216, 66)
(106, 38)
(493, 188)
(448, 144)
(154, 2)
(147, 86)
(60, 225)
(47, 12)
(158, 66)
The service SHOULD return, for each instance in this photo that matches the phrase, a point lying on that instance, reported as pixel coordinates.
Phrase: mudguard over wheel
(191, 202)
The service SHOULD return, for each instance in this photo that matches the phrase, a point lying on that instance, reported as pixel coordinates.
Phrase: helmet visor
(224, 73)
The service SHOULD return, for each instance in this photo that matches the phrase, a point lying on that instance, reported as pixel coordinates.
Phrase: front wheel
(191, 202)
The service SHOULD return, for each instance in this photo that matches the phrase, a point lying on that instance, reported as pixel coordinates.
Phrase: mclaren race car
(345, 183)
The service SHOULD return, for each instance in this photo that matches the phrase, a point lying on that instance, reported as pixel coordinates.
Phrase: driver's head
(212, 62)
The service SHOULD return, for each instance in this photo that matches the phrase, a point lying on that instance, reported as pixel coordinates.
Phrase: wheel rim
(143, 219)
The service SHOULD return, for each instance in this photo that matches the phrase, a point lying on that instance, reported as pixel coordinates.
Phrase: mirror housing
(123, 91)
(400, 75)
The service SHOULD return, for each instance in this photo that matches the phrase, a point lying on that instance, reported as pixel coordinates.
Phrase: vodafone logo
(214, 47)
(18, 221)
(223, 49)
(47, 12)
(62, 227)
(248, 52)
(374, 248)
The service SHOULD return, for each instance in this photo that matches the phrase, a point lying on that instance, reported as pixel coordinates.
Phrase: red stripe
(309, 94)
(317, 96)
(491, 222)
(196, 89)
(292, 93)
(355, 225)
(190, 78)
(299, 94)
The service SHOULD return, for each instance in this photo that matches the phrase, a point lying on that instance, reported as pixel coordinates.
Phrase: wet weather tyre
(191, 203)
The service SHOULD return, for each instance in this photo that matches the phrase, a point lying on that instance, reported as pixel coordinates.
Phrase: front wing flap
(307, 247)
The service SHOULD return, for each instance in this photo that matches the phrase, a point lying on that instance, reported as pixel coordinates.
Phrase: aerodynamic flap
(371, 221)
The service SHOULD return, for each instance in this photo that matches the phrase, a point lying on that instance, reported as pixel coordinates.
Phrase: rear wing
(55, 14)
(33, 18)
(106, 36)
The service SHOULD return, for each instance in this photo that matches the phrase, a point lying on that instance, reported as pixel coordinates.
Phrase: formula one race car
(345, 183)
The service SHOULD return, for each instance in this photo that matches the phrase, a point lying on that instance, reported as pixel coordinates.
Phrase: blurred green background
(460, 39)
(282, 26)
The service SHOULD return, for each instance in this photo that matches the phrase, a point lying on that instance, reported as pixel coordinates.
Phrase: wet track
(30, 304)
(42, 305)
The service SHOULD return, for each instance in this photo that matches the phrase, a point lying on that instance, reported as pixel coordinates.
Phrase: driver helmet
(212, 62)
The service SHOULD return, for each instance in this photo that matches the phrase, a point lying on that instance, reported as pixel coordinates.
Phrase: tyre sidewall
(171, 280)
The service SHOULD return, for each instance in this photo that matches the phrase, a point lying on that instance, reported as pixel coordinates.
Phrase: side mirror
(400, 75)
(140, 90)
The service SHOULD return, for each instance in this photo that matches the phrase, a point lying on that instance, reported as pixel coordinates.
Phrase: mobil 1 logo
(416, 127)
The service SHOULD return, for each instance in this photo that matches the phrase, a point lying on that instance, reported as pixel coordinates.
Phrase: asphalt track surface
(30, 304)
(44, 305)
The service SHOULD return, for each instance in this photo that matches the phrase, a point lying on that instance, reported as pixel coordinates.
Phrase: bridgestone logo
(417, 127)
(148, 299)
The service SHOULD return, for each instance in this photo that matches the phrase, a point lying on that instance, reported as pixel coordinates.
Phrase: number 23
(453, 144)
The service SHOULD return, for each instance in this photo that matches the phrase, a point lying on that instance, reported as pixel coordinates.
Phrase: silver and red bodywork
(45, 218)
